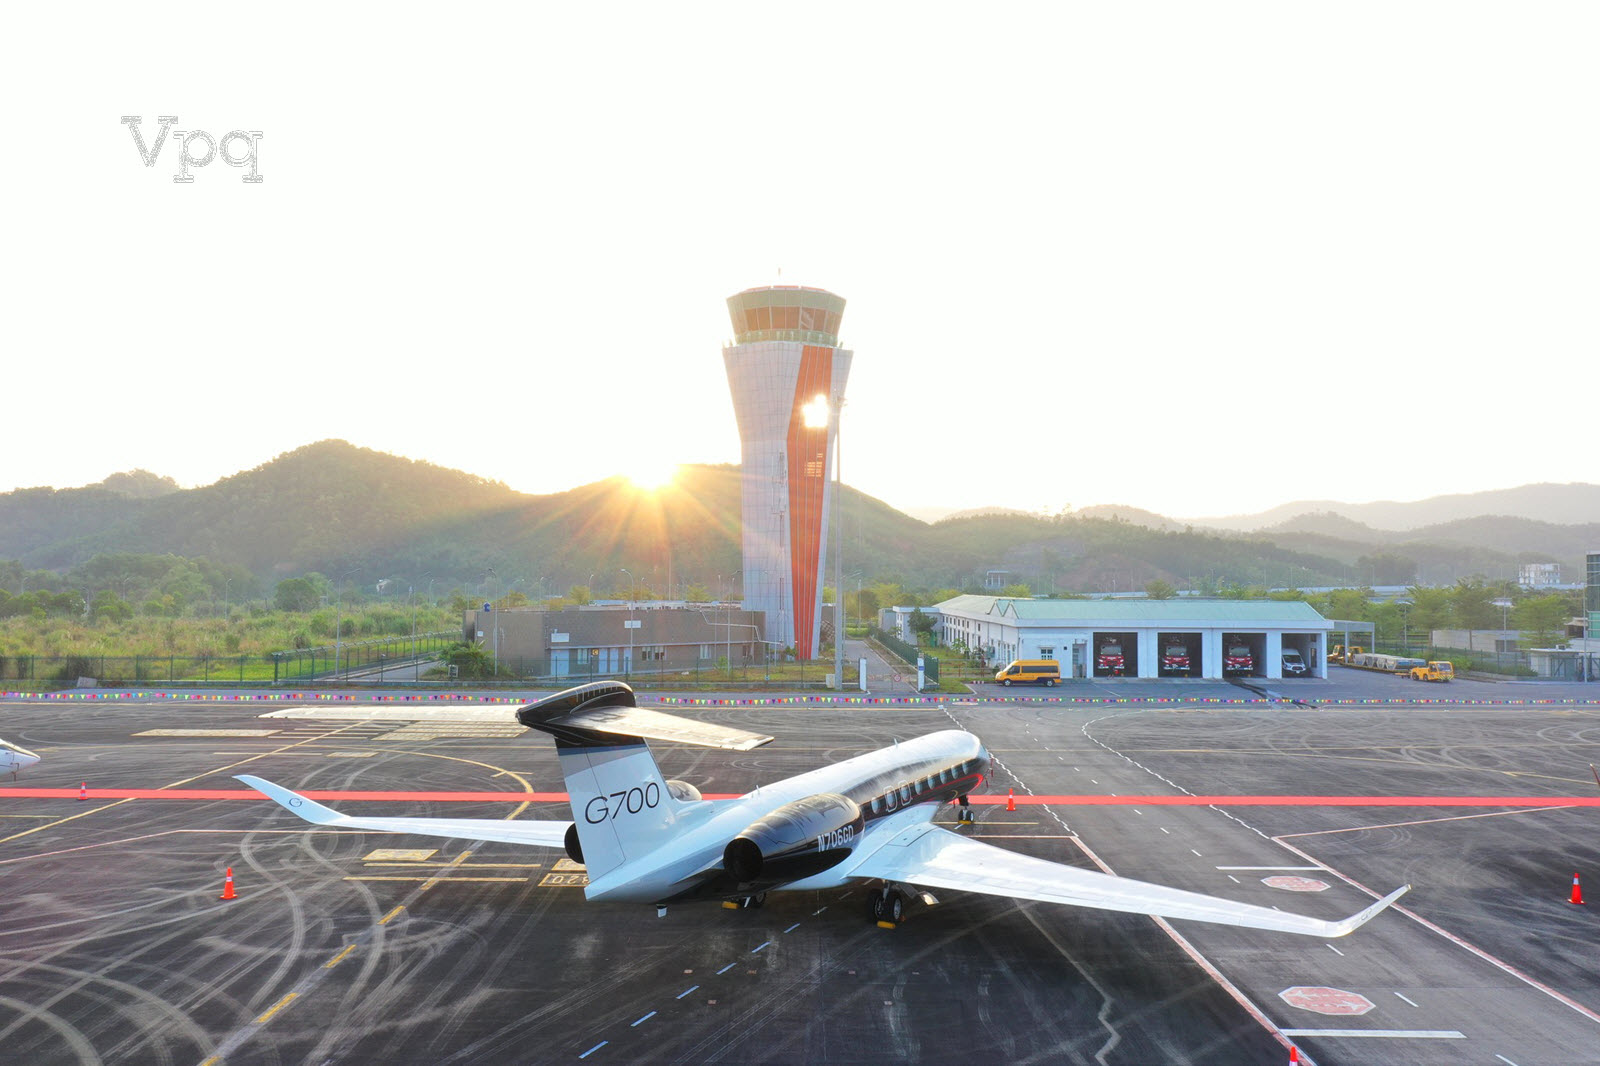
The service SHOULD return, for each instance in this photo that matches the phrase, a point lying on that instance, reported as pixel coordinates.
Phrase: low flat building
(1150, 637)
(615, 640)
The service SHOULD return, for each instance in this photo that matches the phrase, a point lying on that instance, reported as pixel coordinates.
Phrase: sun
(650, 476)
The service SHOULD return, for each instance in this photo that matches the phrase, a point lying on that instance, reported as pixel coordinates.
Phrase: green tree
(470, 660)
(1157, 589)
(1542, 619)
(1018, 591)
(296, 594)
(109, 607)
(1472, 606)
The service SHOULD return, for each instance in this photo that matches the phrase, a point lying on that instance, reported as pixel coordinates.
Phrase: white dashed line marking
(756, 949)
(1197, 854)
(641, 1021)
(725, 969)
(686, 991)
(1336, 951)
(792, 928)
(1402, 996)
(592, 1050)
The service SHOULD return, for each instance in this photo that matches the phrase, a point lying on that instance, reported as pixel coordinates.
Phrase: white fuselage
(919, 774)
(14, 758)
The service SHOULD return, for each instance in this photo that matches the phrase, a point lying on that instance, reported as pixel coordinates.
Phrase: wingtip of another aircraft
(1356, 921)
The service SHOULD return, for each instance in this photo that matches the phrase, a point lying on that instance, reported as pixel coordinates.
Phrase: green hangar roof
(1266, 614)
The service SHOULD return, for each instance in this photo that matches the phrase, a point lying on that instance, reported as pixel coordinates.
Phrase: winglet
(293, 802)
(1354, 922)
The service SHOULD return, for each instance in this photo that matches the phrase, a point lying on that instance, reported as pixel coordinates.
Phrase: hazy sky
(1200, 258)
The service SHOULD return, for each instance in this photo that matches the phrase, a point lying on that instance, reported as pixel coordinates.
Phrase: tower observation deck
(787, 374)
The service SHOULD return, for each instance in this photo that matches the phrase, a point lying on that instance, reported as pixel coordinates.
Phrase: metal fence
(357, 661)
(361, 660)
(910, 653)
(1548, 666)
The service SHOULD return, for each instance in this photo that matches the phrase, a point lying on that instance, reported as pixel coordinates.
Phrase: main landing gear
(887, 906)
(965, 814)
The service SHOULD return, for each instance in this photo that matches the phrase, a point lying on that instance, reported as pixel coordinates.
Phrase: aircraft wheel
(875, 907)
(896, 907)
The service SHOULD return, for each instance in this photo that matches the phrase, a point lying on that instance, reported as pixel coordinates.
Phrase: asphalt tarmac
(351, 947)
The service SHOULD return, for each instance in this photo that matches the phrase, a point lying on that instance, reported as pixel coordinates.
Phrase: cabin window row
(905, 793)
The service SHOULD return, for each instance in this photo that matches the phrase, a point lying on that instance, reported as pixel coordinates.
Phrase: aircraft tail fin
(621, 804)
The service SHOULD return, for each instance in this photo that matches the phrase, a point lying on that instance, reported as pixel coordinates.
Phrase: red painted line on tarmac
(1021, 801)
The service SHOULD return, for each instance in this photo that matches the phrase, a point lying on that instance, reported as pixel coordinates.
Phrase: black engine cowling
(795, 841)
(573, 844)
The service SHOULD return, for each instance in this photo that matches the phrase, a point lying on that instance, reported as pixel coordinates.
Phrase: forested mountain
(1572, 504)
(334, 508)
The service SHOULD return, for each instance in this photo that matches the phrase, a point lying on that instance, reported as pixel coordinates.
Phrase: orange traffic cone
(1011, 799)
(227, 886)
(1294, 1055)
(1577, 890)
(83, 792)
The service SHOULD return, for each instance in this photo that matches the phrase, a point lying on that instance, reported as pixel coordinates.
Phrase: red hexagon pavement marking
(1325, 1000)
(1296, 884)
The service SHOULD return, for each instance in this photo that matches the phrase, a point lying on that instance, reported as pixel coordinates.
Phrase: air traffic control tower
(787, 375)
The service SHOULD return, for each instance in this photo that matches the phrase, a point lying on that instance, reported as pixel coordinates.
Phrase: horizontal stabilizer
(604, 713)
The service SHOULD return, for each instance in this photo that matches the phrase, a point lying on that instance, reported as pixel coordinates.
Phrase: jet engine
(573, 845)
(683, 792)
(796, 840)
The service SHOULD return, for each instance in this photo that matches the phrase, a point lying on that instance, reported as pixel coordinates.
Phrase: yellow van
(1044, 672)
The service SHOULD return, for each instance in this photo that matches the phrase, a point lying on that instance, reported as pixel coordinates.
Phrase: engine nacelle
(796, 840)
(683, 792)
(573, 845)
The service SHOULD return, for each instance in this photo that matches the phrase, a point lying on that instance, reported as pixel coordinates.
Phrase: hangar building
(1075, 632)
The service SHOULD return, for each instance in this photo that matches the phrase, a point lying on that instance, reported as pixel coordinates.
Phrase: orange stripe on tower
(808, 469)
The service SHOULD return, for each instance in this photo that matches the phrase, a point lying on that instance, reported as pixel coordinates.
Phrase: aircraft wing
(937, 858)
(535, 834)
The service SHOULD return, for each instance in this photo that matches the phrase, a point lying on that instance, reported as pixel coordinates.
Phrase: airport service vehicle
(1175, 659)
(868, 819)
(1434, 671)
(1044, 672)
(14, 759)
(1387, 664)
(1341, 654)
(1293, 664)
(1237, 659)
(1109, 659)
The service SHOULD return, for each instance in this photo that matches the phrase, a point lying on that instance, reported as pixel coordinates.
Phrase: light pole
(838, 550)
(338, 617)
(429, 574)
(627, 665)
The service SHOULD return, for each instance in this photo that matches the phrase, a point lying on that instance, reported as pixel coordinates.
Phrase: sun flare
(652, 476)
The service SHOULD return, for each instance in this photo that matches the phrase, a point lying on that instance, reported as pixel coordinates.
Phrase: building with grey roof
(1216, 637)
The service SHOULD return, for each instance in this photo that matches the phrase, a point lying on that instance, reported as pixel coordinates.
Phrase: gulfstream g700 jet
(868, 819)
